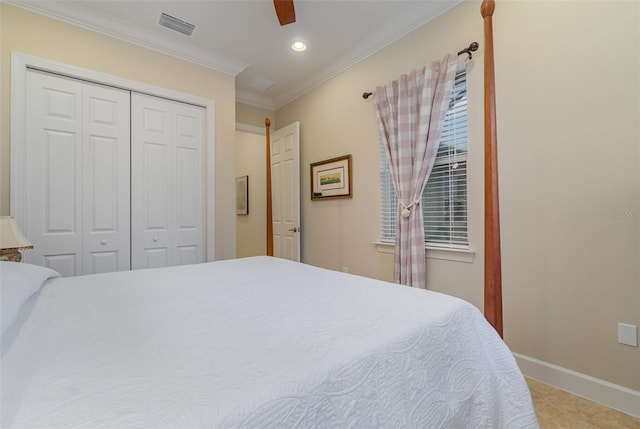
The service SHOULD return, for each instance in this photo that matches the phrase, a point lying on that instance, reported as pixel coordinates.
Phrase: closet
(114, 180)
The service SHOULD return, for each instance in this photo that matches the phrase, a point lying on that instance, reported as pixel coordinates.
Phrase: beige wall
(251, 115)
(251, 230)
(568, 106)
(37, 35)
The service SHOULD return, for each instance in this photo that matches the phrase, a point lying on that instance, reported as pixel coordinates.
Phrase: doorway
(250, 161)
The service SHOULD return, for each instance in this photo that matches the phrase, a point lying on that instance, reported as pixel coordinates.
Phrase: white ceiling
(243, 37)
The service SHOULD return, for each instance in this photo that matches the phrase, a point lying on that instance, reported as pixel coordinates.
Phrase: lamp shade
(10, 235)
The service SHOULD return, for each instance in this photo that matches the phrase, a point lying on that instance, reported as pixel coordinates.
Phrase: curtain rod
(472, 48)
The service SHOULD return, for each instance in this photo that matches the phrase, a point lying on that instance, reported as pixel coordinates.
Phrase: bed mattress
(255, 343)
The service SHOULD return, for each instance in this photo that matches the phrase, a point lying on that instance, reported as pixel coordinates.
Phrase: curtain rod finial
(366, 95)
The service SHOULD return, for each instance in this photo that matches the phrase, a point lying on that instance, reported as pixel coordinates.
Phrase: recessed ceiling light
(298, 46)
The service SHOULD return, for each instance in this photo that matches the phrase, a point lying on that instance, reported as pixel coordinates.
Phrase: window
(444, 200)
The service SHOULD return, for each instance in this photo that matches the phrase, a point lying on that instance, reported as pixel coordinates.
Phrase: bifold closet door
(77, 192)
(167, 156)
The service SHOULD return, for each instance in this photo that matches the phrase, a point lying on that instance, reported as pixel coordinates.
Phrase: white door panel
(54, 183)
(66, 264)
(154, 257)
(167, 182)
(188, 255)
(188, 138)
(289, 250)
(154, 189)
(290, 185)
(276, 188)
(277, 245)
(150, 178)
(102, 262)
(78, 184)
(61, 181)
(106, 180)
(285, 182)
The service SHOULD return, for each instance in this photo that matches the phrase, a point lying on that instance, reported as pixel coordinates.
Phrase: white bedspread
(256, 343)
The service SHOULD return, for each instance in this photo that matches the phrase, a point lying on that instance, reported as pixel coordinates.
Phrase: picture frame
(332, 178)
(242, 195)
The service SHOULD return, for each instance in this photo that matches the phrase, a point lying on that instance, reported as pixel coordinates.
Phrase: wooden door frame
(20, 63)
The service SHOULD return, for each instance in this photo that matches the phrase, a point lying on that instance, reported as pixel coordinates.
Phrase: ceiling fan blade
(285, 11)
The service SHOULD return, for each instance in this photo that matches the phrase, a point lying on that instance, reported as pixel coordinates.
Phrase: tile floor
(557, 409)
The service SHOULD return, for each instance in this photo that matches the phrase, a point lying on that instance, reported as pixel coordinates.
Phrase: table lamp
(11, 240)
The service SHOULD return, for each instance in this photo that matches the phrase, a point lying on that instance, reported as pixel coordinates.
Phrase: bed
(257, 342)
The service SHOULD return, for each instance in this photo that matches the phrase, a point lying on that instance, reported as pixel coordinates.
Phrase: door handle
(295, 229)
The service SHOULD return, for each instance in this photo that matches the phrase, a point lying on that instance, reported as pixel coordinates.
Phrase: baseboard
(612, 395)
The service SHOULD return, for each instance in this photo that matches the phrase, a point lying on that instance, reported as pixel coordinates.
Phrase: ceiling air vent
(176, 24)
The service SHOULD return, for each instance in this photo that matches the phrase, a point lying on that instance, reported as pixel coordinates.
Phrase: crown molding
(122, 30)
(400, 26)
(409, 21)
(254, 100)
(248, 128)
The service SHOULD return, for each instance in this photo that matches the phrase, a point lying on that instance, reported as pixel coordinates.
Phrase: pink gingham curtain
(411, 112)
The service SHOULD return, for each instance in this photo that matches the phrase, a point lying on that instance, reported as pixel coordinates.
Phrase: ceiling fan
(285, 11)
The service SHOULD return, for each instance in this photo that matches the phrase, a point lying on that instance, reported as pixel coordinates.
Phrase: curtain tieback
(406, 210)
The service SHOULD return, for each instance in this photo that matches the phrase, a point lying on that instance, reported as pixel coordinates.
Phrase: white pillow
(18, 282)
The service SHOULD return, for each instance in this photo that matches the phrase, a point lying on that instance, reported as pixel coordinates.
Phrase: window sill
(444, 253)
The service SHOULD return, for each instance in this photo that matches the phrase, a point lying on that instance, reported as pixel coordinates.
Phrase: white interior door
(166, 182)
(285, 186)
(106, 180)
(77, 192)
(54, 186)
(188, 139)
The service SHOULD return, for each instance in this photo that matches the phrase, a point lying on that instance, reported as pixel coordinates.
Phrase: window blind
(444, 200)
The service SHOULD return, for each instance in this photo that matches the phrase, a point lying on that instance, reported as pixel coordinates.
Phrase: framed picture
(242, 195)
(331, 178)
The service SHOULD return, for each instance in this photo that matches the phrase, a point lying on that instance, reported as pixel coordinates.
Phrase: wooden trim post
(492, 257)
(267, 124)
